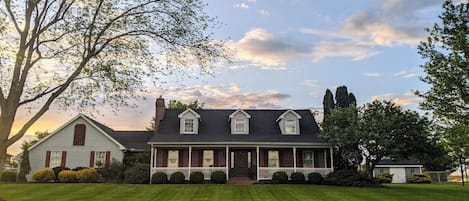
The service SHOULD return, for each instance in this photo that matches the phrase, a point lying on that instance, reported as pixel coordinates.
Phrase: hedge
(44, 175)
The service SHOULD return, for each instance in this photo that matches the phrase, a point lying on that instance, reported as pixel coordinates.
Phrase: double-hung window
(188, 125)
(290, 126)
(273, 159)
(239, 126)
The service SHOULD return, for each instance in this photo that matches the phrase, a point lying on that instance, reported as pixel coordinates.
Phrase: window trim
(241, 122)
(184, 126)
(53, 160)
(311, 163)
(288, 123)
(270, 156)
(96, 159)
(211, 155)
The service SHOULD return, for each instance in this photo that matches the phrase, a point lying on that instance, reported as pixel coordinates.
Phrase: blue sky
(287, 53)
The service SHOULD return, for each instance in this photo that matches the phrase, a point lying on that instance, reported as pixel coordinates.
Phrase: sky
(286, 53)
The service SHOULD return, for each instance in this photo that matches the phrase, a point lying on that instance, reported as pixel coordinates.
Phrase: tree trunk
(3, 151)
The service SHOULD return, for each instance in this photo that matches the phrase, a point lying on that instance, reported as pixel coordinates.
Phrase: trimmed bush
(138, 174)
(384, 178)
(159, 178)
(9, 176)
(89, 175)
(112, 172)
(67, 176)
(350, 178)
(280, 178)
(218, 177)
(420, 179)
(44, 175)
(196, 177)
(297, 178)
(57, 170)
(177, 178)
(314, 178)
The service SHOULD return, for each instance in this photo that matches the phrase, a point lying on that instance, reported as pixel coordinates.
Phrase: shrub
(196, 177)
(280, 178)
(159, 178)
(79, 168)
(384, 178)
(138, 174)
(57, 170)
(297, 178)
(218, 177)
(43, 175)
(67, 176)
(112, 172)
(314, 178)
(177, 178)
(420, 178)
(350, 178)
(89, 175)
(9, 176)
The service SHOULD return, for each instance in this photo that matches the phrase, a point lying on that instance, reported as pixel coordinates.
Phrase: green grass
(75, 192)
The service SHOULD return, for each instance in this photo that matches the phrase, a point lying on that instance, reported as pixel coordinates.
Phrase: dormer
(289, 123)
(239, 122)
(189, 122)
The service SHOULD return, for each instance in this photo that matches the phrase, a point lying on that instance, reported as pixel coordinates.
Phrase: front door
(240, 168)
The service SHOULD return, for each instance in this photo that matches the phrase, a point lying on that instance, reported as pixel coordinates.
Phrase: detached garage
(401, 170)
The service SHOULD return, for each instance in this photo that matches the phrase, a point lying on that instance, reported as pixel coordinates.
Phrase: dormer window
(189, 122)
(289, 123)
(239, 122)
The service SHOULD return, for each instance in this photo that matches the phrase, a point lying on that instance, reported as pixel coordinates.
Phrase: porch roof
(215, 127)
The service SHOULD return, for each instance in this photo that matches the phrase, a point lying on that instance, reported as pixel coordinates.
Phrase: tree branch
(40, 95)
(12, 15)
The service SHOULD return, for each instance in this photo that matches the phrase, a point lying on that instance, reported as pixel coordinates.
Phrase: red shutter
(64, 159)
(79, 134)
(47, 159)
(92, 159)
(108, 157)
(201, 158)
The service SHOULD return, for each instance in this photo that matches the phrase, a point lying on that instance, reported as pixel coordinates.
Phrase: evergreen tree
(342, 97)
(328, 103)
(352, 99)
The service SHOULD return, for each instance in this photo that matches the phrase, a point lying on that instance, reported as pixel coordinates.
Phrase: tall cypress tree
(328, 103)
(342, 97)
(352, 99)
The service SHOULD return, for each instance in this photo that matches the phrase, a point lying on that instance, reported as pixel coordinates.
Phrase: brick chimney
(159, 113)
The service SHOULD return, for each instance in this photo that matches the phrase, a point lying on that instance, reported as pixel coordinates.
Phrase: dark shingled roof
(215, 127)
(129, 139)
(400, 162)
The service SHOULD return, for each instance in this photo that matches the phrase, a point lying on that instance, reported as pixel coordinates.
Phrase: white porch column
(332, 159)
(294, 159)
(227, 152)
(151, 161)
(190, 159)
(257, 163)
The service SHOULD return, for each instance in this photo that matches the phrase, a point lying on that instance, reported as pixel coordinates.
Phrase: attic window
(188, 125)
(290, 126)
(239, 126)
(79, 135)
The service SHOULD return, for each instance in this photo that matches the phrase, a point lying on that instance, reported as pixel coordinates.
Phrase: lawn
(18, 192)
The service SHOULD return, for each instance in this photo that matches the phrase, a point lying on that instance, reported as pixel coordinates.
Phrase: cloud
(406, 99)
(327, 49)
(264, 12)
(314, 86)
(241, 5)
(265, 50)
(230, 96)
(373, 74)
(406, 74)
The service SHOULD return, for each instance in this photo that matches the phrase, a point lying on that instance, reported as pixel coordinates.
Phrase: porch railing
(185, 170)
(267, 172)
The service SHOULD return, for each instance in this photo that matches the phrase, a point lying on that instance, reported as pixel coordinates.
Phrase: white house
(402, 170)
(84, 142)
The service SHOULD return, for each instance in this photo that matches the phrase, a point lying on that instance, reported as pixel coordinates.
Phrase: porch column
(257, 163)
(151, 161)
(332, 159)
(294, 159)
(227, 152)
(190, 159)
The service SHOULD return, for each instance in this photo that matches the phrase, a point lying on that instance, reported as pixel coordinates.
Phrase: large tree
(82, 53)
(446, 52)
(328, 104)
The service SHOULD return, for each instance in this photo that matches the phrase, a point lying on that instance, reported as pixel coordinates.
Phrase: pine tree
(342, 97)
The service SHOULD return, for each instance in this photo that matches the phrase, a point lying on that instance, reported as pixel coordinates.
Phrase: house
(242, 143)
(84, 142)
(402, 169)
(7, 164)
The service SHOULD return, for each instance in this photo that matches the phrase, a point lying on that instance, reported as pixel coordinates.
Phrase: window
(249, 159)
(319, 159)
(55, 159)
(273, 159)
(188, 125)
(100, 158)
(207, 158)
(79, 135)
(290, 126)
(308, 159)
(173, 158)
(239, 126)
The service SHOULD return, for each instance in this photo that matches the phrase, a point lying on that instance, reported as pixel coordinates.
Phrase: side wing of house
(78, 143)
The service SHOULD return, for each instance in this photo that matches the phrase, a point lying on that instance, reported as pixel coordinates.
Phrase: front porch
(257, 162)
